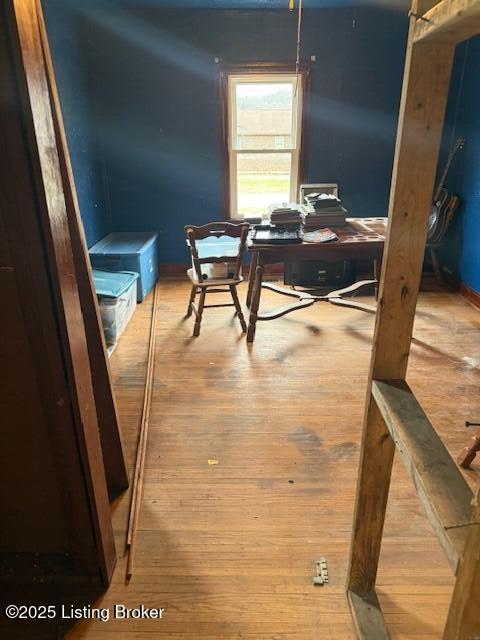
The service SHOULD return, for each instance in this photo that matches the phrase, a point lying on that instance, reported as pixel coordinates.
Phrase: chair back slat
(217, 229)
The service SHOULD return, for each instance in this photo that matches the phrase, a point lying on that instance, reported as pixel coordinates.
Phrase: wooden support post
(367, 616)
(463, 620)
(375, 470)
(449, 21)
(426, 84)
(422, 109)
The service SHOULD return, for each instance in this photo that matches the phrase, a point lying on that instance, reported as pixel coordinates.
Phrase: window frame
(263, 72)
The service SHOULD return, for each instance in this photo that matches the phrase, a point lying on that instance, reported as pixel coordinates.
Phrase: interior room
(296, 456)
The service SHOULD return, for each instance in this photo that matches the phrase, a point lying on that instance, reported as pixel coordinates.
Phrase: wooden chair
(203, 286)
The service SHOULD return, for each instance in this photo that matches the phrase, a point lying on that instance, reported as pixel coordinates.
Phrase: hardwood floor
(229, 549)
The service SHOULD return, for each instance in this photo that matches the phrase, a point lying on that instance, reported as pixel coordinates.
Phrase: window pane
(264, 116)
(263, 179)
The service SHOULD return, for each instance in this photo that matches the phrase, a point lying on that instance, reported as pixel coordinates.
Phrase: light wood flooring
(229, 549)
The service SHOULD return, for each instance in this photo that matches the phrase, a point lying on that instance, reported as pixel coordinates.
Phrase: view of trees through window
(263, 121)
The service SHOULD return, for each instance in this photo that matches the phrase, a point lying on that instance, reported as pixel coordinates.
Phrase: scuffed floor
(229, 549)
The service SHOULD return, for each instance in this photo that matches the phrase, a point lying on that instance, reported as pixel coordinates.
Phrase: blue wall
(153, 103)
(68, 51)
(462, 252)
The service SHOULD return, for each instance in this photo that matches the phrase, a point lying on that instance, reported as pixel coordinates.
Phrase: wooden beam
(463, 616)
(422, 109)
(419, 7)
(39, 132)
(367, 616)
(450, 21)
(440, 485)
(375, 469)
(29, 273)
(108, 423)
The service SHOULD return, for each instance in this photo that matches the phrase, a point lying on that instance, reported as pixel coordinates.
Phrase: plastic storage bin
(129, 251)
(117, 298)
(216, 247)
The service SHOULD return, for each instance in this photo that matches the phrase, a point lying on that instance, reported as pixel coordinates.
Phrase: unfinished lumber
(464, 613)
(440, 485)
(420, 129)
(449, 21)
(376, 460)
(394, 414)
(422, 109)
(367, 616)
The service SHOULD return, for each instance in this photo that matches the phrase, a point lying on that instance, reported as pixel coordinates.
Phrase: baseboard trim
(173, 269)
(470, 294)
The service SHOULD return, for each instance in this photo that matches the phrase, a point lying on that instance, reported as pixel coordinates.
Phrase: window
(264, 136)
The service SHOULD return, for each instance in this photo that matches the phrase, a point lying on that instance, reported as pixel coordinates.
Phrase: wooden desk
(361, 238)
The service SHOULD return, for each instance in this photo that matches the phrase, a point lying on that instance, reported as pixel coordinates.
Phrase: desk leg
(251, 277)
(257, 289)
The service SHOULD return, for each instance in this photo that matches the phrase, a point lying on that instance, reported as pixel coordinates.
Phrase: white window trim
(262, 78)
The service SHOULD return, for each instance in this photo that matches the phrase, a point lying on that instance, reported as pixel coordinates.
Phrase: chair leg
(198, 320)
(236, 301)
(193, 293)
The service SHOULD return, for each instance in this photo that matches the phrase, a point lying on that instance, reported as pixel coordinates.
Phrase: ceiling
(248, 4)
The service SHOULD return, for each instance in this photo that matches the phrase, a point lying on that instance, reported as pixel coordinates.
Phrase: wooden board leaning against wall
(53, 461)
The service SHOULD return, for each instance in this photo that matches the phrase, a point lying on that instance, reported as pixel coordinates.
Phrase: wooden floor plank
(229, 549)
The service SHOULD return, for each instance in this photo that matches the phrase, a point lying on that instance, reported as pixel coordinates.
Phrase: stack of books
(291, 215)
(323, 210)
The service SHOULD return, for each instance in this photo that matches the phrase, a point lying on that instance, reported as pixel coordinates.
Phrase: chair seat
(212, 282)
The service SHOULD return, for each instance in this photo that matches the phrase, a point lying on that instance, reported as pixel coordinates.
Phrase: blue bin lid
(111, 284)
(123, 242)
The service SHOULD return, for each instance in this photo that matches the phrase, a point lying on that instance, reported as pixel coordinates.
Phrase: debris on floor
(321, 572)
